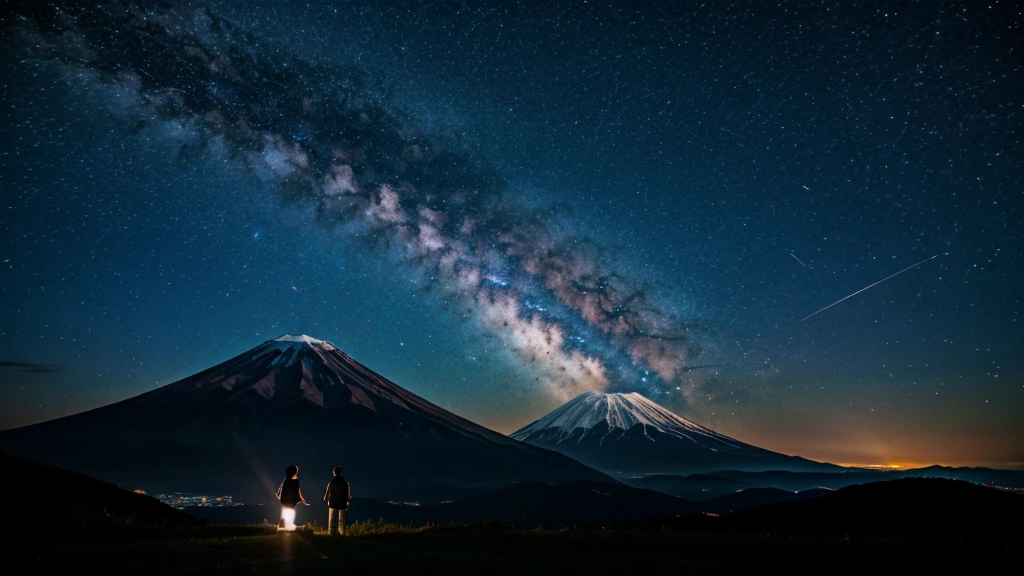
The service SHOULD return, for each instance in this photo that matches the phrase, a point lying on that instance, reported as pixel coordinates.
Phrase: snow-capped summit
(295, 341)
(299, 338)
(292, 347)
(628, 435)
(616, 412)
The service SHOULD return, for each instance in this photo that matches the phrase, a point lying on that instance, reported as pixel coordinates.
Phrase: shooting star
(876, 284)
(798, 260)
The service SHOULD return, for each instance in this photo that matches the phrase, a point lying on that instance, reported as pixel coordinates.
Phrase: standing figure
(337, 497)
(290, 495)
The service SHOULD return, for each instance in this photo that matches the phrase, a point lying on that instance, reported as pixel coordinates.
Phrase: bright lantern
(288, 514)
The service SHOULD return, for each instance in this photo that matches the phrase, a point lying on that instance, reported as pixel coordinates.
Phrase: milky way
(323, 135)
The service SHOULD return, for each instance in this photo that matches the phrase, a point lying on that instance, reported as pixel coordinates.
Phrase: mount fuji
(233, 428)
(628, 435)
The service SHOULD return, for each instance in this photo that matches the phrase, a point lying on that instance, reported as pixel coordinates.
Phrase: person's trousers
(336, 520)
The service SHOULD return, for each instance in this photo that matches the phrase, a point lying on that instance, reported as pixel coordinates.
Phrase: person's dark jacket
(339, 493)
(289, 492)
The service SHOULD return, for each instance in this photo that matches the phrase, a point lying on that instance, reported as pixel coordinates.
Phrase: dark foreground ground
(498, 550)
(58, 521)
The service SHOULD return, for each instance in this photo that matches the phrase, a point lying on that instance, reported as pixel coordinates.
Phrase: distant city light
(179, 500)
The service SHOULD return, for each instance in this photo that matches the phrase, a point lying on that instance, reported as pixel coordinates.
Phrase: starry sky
(502, 205)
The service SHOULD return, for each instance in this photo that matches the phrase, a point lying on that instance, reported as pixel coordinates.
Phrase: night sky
(501, 205)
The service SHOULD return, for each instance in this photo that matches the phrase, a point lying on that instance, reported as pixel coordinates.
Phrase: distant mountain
(977, 475)
(233, 428)
(796, 481)
(753, 497)
(725, 482)
(628, 435)
(46, 505)
(690, 487)
(1011, 479)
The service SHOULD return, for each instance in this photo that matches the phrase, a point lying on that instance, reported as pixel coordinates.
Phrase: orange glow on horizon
(892, 465)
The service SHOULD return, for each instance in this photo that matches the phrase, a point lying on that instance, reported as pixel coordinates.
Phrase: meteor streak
(876, 284)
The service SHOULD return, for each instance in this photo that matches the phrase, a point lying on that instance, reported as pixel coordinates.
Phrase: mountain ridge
(618, 410)
(294, 399)
(627, 435)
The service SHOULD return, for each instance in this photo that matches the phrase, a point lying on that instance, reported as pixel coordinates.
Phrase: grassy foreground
(495, 550)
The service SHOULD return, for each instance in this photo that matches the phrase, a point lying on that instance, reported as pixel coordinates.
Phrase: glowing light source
(288, 515)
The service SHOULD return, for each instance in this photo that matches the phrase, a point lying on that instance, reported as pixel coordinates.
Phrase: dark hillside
(936, 510)
(932, 508)
(59, 506)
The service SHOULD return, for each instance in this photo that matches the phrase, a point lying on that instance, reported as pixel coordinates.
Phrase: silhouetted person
(290, 495)
(337, 497)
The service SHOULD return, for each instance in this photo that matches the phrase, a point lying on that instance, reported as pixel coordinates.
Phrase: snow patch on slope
(296, 341)
(291, 346)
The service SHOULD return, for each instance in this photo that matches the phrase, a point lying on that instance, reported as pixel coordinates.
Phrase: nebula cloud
(323, 136)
